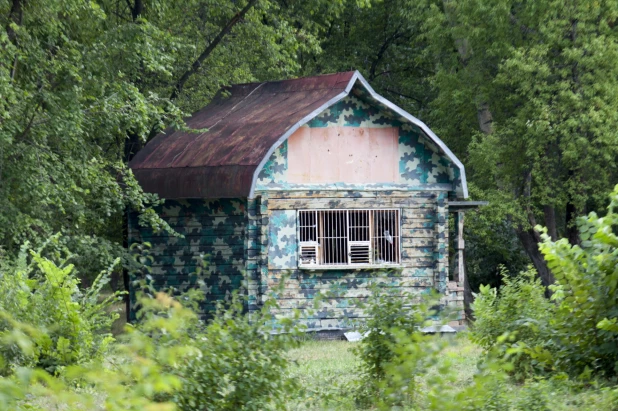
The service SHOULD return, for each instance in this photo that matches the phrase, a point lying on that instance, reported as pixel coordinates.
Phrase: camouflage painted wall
(252, 242)
(421, 165)
(424, 260)
(213, 250)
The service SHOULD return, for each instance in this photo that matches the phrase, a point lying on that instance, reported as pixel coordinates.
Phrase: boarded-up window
(356, 155)
(348, 237)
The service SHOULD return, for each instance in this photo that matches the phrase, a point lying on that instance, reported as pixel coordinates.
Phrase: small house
(317, 181)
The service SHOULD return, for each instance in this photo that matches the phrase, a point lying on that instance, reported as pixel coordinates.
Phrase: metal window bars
(349, 237)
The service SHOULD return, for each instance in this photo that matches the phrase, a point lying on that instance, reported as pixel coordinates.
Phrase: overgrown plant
(135, 375)
(391, 317)
(520, 314)
(586, 293)
(169, 360)
(237, 363)
(577, 332)
(74, 325)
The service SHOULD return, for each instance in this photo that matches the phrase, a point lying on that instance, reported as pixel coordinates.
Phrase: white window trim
(372, 265)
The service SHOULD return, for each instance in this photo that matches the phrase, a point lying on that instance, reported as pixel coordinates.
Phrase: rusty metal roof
(242, 128)
(245, 124)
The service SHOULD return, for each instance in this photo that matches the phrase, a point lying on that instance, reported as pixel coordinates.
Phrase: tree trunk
(468, 300)
(132, 144)
(571, 231)
(137, 8)
(550, 221)
(530, 240)
(485, 118)
(572, 234)
(15, 17)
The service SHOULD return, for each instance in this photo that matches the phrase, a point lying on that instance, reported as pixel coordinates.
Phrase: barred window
(350, 237)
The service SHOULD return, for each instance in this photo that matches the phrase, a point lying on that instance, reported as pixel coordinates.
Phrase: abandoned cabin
(318, 182)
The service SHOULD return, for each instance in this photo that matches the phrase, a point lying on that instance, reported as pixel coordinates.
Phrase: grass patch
(326, 370)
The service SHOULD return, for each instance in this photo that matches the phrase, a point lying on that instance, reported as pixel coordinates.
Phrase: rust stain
(242, 128)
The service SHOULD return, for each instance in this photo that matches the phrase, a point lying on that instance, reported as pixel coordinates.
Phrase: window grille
(349, 237)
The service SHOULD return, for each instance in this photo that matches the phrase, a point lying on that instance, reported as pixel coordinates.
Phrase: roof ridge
(288, 79)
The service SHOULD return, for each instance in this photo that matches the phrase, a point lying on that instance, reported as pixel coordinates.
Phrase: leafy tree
(382, 40)
(85, 84)
(533, 85)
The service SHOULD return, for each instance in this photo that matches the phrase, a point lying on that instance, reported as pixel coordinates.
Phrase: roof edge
(422, 126)
(358, 77)
(296, 126)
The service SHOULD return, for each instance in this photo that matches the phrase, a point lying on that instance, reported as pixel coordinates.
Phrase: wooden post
(460, 248)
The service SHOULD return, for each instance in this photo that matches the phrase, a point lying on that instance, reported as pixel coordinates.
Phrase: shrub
(520, 313)
(170, 360)
(75, 325)
(134, 376)
(394, 352)
(577, 332)
(237, 364)
(586, 320)
(420, 372)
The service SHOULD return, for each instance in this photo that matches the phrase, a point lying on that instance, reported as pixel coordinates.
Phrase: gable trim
(358, 77)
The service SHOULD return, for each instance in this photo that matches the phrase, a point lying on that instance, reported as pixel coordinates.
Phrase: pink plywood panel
(383, 155)
(343, 154)
(299, 158)
(324, 155)
(354, 155)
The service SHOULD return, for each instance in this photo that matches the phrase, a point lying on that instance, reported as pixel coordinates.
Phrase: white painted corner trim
(358, 77)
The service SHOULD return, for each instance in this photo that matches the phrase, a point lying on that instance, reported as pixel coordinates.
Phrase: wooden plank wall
(423, 238)
(213, 250)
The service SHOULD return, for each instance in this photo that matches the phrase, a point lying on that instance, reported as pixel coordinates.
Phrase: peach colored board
(343, 154)
(384, 154)
(299, 164)
(323, 156)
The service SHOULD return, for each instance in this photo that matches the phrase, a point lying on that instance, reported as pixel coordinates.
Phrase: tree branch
(403, 95)
(389, 40)
(210, 48)
(15, 17)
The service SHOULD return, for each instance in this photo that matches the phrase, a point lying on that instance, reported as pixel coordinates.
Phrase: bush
(394, 352)
(237, 364)
(74, 325)
(520, 314)
(133, 377)
(402, 368)
(586, 319)
(577, 332)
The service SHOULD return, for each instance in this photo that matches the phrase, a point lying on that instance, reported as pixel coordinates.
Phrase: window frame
(343, 266)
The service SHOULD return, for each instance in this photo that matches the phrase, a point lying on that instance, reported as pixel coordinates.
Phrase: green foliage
(586, 294)
(389, 367)
(73, 327)
(170, 360)
(402, 368)
(491, 242)
(386, 314)
(133, 375)
(380, 39)
(237, 363)
(85, 84)
(515, 321)
(575, 333)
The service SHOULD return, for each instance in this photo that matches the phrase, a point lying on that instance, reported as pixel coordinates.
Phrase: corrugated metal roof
(242, 128)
